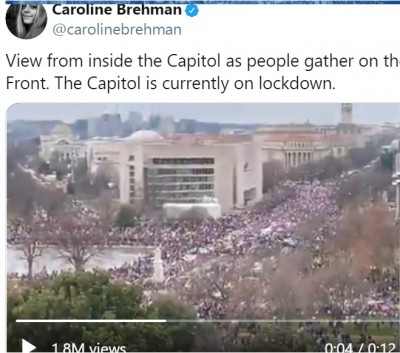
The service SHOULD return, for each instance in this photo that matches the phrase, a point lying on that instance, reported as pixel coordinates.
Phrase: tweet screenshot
(201, 176)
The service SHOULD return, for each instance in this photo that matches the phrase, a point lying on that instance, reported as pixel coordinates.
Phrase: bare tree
(289, 290)
(360, 156)
(214, 286)
(31, 250)
(30, 244)
(140, 201)
(80, 169)
(59, 165)
(22, 193)
(78, 240)
(369, 236)
(274, 197)
(364, 185)
(53, 201)
(106, 207)
(19, 152)
(272, 173)
(338, 284)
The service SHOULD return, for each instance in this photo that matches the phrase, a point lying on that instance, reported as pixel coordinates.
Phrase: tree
(31, 249)
(339, 283)
(361, 156)
(365, 185)
(80, 169)
(86, 295)
(185, 335)
(272, 337)
(105, 175)
(272, 174)
(52, 200)
(287, 291)
(22, 192)
(19, 152)
(58, 165)
(227, 289)
(42, 167)
(77, 240)
(369, 236)
(31, 236)
(387, 161)
(274, 197)
(126, 217)
(106, 207)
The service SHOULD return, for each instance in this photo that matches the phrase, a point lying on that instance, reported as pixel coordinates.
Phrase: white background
(233, 30)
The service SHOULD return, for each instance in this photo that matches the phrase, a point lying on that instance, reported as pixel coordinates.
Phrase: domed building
(60, 143)
(142, 136)
(62, 131)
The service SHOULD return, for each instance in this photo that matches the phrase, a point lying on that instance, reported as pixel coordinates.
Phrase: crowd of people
(190, 250)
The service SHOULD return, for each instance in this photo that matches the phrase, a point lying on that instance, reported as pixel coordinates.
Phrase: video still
(196, 227)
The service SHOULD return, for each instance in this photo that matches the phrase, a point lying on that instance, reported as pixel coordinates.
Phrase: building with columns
(297, 144)
(293, 149)
(61, 142)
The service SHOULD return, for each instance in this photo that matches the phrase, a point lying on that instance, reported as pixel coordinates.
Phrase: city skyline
(239, 113)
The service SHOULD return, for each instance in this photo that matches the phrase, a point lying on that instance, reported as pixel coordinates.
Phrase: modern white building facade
(154, 171)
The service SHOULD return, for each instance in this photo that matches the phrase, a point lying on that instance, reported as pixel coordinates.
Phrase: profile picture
(26, 21)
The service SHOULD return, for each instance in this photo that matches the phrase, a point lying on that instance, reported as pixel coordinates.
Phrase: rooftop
(204, 138)
(145, 136)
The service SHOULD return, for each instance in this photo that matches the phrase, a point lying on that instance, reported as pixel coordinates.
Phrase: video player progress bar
(198, 321)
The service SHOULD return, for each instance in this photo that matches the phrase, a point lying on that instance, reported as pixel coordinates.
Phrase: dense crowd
(274, 228)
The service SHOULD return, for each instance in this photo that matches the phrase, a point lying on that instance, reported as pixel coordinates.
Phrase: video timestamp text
(362, 347)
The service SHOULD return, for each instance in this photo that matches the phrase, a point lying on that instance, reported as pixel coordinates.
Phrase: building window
(132, 174)
(206, 187)
(183, 161)
(131, 158)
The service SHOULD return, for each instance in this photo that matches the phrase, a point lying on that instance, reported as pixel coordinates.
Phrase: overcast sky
(264, 113)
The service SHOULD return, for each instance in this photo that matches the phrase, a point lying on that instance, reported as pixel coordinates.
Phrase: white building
(153, 170)
(294, 145)
(102, 156)
(61, 142)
